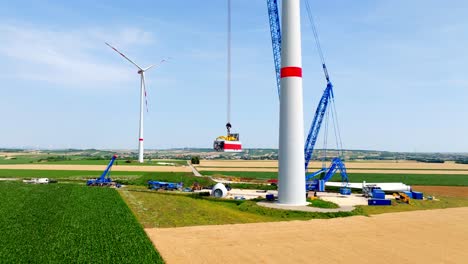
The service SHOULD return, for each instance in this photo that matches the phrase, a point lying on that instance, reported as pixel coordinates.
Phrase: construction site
(306, 201)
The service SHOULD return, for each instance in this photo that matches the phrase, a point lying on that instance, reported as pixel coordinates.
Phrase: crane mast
(317, 124)
(327, 96)
(275, 30)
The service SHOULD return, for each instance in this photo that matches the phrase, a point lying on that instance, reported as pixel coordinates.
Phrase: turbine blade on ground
(123, 56)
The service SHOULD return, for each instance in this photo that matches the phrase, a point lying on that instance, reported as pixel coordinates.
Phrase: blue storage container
(270, 197)
(410, 195)
(379, 202)
(417, 195)
(378, 194)
(321, 185)
(345, 191)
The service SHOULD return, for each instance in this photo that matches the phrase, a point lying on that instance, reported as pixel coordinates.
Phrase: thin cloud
(69, 58)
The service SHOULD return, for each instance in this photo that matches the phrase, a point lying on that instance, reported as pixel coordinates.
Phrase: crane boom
(105, 179)
(275, 30)
(106, 171)
(317, 124)
(327, 96)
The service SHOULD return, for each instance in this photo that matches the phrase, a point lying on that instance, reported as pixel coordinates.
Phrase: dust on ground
(450, 191)
(433, 236)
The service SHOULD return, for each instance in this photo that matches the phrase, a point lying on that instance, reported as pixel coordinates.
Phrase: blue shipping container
(321, 185)
(410, 195)
(345, 191)
(379, 202)
(378, 195)
(417, 195)
(270, 197)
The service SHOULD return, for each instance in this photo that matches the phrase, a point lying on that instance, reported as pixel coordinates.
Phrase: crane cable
(317, 41)
(339, 143)
(228, 81)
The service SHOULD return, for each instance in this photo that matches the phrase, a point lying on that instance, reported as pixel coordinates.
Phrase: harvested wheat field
(435, 236)
(349, 164)
(449, 191)
(379, 171)
(387, 167)
(94, 167)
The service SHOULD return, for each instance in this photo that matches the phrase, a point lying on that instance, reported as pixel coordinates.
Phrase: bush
(195, 160)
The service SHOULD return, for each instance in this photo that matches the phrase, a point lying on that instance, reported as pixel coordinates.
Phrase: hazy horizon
(398, 69)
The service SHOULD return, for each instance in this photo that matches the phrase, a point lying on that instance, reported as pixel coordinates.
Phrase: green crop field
(117, 162)
(243, 174)
(167, 209)
(64, 174)
(77, 160)
(185, 177)
(411, 179)
(124, 177)
(68, 223)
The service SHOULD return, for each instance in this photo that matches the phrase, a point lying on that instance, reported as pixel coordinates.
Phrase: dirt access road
(433, 236)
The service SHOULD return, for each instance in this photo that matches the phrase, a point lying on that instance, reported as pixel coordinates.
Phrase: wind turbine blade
(123, 56)
(144, 89)
(162, 61)
(149, 67)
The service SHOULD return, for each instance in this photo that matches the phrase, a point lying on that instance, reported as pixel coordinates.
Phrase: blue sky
(399, 69)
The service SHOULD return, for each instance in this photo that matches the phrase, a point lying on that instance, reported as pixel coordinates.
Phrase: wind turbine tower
(141, 71)
(291, 190)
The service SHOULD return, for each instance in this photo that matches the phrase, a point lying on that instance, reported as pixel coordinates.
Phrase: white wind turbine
(141, 71)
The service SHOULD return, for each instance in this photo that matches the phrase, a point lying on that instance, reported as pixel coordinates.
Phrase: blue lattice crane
(105, 179)
(275, 30)
(321, 113)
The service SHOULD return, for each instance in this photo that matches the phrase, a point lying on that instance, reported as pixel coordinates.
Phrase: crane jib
(320, 113)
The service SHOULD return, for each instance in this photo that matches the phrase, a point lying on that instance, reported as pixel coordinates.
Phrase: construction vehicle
(323, 112)
(368, 189)
(402, 197)
(196, 187)
(315, 183)
(105, 179)
(168, 186)
(39, 181)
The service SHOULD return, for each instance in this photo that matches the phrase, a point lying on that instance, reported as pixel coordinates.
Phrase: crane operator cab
(229, 143)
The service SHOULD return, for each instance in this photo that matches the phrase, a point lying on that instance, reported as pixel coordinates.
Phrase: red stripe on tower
(291, 72)
(141, 139)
